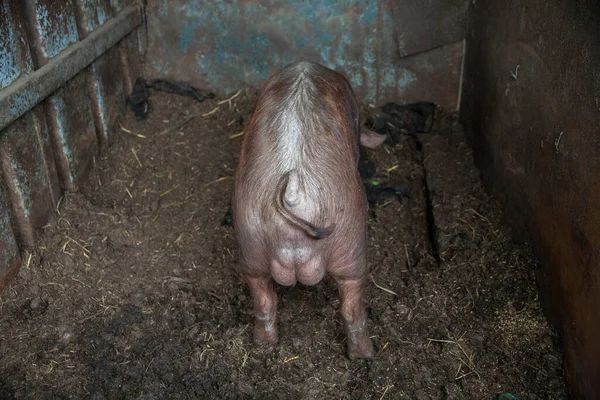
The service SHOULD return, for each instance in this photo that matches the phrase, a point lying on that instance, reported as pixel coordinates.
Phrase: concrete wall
(531, 105)
(389, 49)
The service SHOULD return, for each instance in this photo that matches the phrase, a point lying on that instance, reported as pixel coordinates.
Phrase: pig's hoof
(360, 346)
(263, 336)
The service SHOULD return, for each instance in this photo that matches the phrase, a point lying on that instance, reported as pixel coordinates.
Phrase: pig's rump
(270, 242)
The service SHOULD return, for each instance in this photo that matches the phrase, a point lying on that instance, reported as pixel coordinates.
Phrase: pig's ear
(371, 139)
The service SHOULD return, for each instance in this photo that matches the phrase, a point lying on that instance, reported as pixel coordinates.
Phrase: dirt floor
(134, 291)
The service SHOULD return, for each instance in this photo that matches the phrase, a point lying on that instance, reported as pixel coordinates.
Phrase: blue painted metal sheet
(72, 129)
(15, 59)
(12, 66)
(228, 44)
(53, 28)
(25, 93)
(91, 14)
(27, 170)
(106, 92)
(69, 111)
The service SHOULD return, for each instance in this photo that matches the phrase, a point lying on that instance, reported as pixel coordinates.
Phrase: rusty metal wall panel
(224, 45)
(53, 28)
(13, 63)
(29, 175)
(27, 169)
(532, 109)
(10, 257)
(438, 71)
(15, 58)
(428, 24)
(130, 56)
(47, 137)
(91, 14)
(24, 94)
(106, 92)
(71, 123)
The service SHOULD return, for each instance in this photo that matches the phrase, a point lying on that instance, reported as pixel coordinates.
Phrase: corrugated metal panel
(15, 58)
(43, 46)
(28, 174)
(25, 93)
(72, 130)
(53, 28)
(105, 92)
(14, 62)
(91, 14)
(108, 93)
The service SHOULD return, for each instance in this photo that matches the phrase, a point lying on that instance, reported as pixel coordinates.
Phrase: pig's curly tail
(310, 229)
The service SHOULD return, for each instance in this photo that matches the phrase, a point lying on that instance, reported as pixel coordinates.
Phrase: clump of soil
(134, 292)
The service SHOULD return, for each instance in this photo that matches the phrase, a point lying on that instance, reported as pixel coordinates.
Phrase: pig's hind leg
(264, 300)
(352, 301)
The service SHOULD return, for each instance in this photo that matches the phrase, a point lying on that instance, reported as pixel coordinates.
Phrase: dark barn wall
(531, 105)
(389, 49)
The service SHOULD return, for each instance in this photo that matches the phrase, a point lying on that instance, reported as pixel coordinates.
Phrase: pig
(299, 206)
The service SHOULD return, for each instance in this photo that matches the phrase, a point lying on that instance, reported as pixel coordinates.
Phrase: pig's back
(308, 122)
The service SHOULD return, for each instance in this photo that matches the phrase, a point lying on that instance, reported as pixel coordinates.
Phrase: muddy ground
(134, 291)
